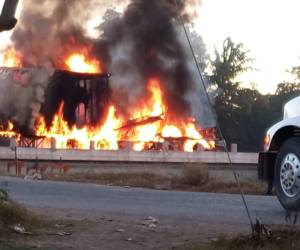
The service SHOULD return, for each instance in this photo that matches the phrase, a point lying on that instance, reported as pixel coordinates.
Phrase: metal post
(16, 161)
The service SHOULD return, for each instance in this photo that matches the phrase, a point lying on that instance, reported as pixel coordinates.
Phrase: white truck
(279, 164)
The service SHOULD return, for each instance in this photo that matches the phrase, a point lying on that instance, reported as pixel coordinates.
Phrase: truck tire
(287, 175)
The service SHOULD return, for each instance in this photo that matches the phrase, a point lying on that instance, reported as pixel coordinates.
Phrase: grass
(147, 180)
(12, 214)
(4, 245)
(193, 178)
(287, 239)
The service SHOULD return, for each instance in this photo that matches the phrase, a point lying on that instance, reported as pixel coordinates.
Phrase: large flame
(148, 124)
(81, 61)
(10, 58)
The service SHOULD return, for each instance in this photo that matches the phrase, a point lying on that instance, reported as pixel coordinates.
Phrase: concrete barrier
(29, 154)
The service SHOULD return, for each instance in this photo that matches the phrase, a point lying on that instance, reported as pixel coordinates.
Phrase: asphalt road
(221, 210)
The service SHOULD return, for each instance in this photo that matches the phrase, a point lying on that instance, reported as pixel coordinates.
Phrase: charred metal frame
(75, 89)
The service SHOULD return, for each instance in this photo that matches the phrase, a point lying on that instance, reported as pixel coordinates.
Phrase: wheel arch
(282, 135)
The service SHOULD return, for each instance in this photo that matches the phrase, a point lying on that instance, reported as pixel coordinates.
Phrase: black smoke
(48, 29)
(143, 42)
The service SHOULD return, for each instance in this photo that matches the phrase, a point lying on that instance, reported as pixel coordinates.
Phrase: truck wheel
(287, 174)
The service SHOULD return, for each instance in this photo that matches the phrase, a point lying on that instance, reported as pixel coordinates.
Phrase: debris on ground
(121, 230)
(152, 225)
(64, 234)
(151, 222)
(21, 230)
(33, 175)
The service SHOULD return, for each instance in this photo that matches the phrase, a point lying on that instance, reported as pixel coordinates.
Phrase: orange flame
(10, 58)
(147, 123)
(150, 125)
(81, 63)
(8, 132)
(104, 138)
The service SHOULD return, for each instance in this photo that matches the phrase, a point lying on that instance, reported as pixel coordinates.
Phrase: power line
(217, 122)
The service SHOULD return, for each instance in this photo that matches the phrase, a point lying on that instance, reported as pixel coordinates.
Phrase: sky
(267, 28)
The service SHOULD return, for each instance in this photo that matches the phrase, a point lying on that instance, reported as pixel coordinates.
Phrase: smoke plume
(144, 42)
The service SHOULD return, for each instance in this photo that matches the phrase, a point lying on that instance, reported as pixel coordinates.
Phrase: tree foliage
(245, 114)
(227, 65)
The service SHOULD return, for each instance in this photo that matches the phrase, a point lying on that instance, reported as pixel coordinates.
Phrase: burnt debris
(85, 97)
(39, 92)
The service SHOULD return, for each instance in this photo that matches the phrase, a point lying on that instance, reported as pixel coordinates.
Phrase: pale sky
(268, 28)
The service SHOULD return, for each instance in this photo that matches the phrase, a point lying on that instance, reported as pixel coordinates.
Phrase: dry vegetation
(193, 178)
(12, 214)
(19, 226)
(287, 239)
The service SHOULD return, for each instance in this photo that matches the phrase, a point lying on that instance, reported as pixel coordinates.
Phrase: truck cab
(279, 164)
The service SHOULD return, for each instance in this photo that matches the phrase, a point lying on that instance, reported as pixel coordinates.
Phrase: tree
(234, 105)
(287, 88)
(227, 65)
(245, 114)
(296, 72)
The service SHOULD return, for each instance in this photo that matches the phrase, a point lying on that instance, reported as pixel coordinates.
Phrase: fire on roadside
(8, 131)
(148, 124)
(10, 58)
(81, 63)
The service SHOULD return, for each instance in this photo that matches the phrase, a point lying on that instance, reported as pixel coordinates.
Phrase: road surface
(184, 217)
(216, 209)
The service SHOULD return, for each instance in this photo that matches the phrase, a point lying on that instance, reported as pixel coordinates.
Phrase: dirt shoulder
(193, 179)
(93, 231)
(50, 228)
(74, 229)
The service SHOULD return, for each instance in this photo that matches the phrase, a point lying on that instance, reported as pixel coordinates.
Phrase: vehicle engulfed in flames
(74, 110)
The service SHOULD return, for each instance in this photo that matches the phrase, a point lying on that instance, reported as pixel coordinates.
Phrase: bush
(12, 213)
(195, 175)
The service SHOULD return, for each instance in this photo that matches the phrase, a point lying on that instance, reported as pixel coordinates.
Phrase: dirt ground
(79, 230)
(76, 229)
(193, 180)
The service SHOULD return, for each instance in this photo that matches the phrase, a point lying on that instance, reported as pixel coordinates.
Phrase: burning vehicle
(75, 110)
(57, 90)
